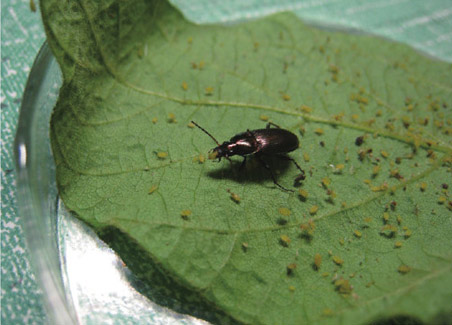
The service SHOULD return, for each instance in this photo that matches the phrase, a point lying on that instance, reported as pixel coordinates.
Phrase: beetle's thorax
(243, 146)
(240, 147)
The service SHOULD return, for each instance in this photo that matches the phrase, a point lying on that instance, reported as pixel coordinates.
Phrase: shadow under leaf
(150, 280)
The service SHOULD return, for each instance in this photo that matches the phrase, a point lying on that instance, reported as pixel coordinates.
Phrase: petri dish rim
(37, 195)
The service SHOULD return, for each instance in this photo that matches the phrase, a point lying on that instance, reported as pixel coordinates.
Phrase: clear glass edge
(42, 244)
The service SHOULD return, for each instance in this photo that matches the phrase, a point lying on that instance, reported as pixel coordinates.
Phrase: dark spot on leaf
(359, 140)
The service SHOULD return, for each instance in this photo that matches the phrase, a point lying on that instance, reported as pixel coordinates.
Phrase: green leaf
(368, 236)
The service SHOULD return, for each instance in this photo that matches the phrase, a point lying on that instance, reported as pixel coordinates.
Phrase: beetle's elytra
(261, 142)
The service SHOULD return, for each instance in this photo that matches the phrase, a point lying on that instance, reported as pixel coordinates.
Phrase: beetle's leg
(243, 163)
(271, 123)
(250, 134)
(219, 159)
(302, 175)
(284, 157)
(271, 173)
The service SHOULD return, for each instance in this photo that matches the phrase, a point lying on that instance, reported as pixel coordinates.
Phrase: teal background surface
(424, 25)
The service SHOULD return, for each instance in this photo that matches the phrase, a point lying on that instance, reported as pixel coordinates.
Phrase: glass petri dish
(82, 279)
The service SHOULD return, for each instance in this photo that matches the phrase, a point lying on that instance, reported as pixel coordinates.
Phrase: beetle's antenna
(210, 135)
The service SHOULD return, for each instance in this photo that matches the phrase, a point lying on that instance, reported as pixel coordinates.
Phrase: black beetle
(261, 142)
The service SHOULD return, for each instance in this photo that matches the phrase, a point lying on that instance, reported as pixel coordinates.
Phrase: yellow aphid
(317, 261)
(339, 117)
(185, 214)
(184, 85)
(213, 155)
(201, 158)
(343, 286)
(423, 186)
(291, 267)
(208, 91)
(376, 170)
(331, 193)
(369, 284)
(191, 125)
(339, 167)
(285, 97)
(326, 181)
(380, 188)
(284, 240)
(154, 120)
(404, 269)
(328, 312)
(362, 100)
(394, 173)
(313, 209)
(337, 260)
(153, 189)
(308, 228)
(306, 157)
(302, 129)
(140, 51)
(442, 199)
(358, 233)
(284, 211)
(303, 193)
(264, 118)
(162, 155)
(319, 131)
(388, 230)
(32, 6)
(398, 244)
(234, 197)
(333, 69)
(171, 118)
(408, 233)
(385, 217)
(306, 109)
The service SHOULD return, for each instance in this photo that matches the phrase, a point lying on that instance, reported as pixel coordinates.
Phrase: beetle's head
(220, 151)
